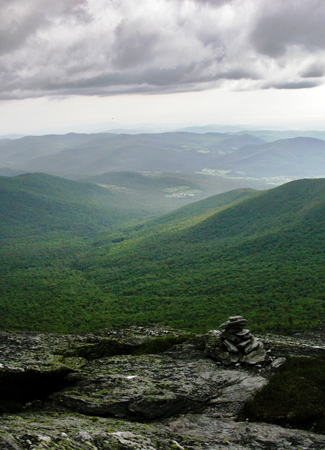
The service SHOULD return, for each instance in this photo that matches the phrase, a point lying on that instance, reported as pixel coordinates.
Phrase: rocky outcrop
(108, 390)
(153, 386)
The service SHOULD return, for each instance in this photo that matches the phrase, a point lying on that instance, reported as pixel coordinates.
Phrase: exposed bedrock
(151, 386)
(64, 431)
(185, 398)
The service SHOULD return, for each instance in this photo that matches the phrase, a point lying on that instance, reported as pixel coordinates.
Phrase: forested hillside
(256, 253)
(40, 203)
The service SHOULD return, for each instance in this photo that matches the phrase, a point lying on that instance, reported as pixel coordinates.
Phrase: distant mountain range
(296, 158)
(93, 154)
(259, 154)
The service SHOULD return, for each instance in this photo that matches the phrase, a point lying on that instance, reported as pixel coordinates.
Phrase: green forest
(78, 257)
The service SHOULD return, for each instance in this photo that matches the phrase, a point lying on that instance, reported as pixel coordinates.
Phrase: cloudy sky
(73, 65)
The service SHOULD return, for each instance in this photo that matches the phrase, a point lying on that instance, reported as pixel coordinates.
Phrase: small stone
(255, 343)
(278, 362)
(254, 357)
(244, 343)
(228, 358)
(231, 337)
(44, 438)
(83, 436)
(243, 333)
(230, 346)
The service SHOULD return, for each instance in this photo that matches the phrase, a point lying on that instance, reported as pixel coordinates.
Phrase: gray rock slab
(44, 353)
(221, 434)
(234, 325)
(242, 391)
(243, 344)
(146, 387)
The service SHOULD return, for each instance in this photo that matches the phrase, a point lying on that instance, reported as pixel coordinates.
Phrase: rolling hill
(40, 203)
(93, 154)
(15, 153)
(37, 203)
(262, 256)
(297, 157)
(170, 189)
(237, 155)
(256, 253)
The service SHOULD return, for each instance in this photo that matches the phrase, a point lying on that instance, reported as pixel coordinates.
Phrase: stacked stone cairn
(238, 345)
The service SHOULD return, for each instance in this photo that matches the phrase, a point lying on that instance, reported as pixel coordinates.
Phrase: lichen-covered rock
(20, 352)
(146, 387)
(215, 434)
(62, 431)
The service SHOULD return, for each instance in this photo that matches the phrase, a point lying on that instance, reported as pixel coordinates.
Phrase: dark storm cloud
(104, 47)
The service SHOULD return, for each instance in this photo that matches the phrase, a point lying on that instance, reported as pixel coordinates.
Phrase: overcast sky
(73, 65)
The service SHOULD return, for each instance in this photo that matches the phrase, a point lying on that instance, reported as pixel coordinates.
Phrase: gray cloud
(20, 19)
(292, 85)
(134, 45)
(282, 24)
(315, 70)
(104, 47)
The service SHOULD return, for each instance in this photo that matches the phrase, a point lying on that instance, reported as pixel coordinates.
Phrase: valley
(80, 256)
